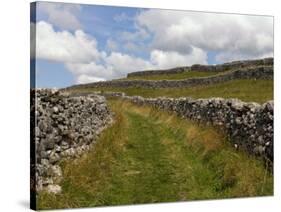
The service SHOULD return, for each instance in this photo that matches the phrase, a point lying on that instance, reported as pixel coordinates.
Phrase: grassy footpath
(183, 75)
(151, 156)
(246, 90)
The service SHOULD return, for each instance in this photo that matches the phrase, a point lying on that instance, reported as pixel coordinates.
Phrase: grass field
(150, 156)
(246, 90)
(183, 75)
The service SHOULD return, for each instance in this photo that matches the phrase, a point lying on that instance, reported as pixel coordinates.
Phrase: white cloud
(170, 59)
(179, 31)
(62, 15)
(179, 39)
(124, 63)
(64, 46)
(90, 69)
(122, 17)
(79, 52)
(138, 36)
(88, 78)
(116, 65)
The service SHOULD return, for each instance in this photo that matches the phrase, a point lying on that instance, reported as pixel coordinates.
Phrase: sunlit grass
(246, 90)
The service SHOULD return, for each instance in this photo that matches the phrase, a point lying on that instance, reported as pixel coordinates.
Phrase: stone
(49, 144)
(237, 105)
(238, 120)
(54, 157)
(55, 109)
(37, 132)
(43, 154)
(64, 145)
(267, 143)
(57, 139)
(45, 162)
(58, 149)
(54, 189)
(55, 172)
(260, 139)
(42, 126)
(259, 150)
(269, 105)
(47, 181)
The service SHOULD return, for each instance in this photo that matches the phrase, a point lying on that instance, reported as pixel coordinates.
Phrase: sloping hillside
(240, 80)
(246, 90)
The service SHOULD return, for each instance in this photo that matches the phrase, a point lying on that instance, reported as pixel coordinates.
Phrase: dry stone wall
(248, 125)
(265, 72)
(64, 127)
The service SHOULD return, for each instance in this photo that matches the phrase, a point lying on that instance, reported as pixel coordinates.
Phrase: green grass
(183, 75)
(150, 156)
(246, 90)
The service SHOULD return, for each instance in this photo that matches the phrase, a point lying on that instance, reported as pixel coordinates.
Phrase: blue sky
(86, 43)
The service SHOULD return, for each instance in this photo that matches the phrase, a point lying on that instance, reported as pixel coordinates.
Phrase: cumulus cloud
(170, 59)
(124, 63)
(115, 65)
(81, 56)
(84, 78)
(91, 72)
(61, 15)
(64, 46)
(166, 38)
(226, 34)
(136, 40)
(139, 35)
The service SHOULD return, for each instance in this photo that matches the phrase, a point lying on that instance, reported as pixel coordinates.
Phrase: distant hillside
(239, 79)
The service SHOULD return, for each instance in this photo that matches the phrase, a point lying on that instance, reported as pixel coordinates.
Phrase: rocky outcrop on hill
(215, 68)
(63, 127)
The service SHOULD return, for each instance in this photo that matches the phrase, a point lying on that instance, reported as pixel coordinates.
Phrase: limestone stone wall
(64, 127)
(265, 72)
